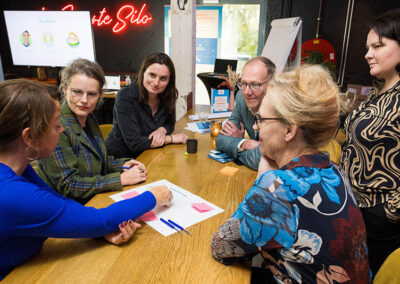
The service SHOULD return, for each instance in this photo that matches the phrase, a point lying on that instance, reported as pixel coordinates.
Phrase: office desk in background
(151, 257)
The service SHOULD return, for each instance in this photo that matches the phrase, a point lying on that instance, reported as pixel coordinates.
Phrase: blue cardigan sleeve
(33, 209)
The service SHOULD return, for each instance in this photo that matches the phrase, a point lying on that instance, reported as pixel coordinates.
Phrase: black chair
(211, 80)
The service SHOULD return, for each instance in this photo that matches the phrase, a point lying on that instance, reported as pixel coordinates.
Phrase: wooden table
(151, 257)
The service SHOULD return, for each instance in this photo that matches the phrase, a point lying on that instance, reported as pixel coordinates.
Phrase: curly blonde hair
(309, 98)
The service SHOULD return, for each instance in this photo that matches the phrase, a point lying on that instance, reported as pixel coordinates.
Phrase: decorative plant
(317, 57)
(230, 82)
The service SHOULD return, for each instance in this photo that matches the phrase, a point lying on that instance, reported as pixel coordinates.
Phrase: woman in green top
(80, 167)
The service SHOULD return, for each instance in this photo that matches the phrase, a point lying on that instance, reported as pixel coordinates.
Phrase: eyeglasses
(78, 93)
(253, 86)
(260, 119)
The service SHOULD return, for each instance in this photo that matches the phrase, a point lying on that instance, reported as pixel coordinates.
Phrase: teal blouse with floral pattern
(304, 220)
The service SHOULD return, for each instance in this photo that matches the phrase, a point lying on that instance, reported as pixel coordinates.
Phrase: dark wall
(124, 52)
(332, 26)
(121, 52)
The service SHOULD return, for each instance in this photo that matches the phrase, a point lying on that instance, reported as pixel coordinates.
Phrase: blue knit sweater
(30, 211)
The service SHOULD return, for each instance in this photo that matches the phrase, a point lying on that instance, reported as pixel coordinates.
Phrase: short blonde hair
(309, 98)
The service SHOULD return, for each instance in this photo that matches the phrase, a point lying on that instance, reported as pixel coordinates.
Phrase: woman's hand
(124, 233)
(162, 194)
(158, 137)
(131, 163)
(132, 176)
(266, 164)
(179, 138)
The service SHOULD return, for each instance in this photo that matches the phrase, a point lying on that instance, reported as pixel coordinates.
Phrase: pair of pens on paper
(174, 226)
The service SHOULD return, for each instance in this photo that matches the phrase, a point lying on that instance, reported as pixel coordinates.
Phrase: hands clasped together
(230, 129)
(137, 173)
(160, 138)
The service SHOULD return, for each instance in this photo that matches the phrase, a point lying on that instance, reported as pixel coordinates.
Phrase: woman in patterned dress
(371, 153)
(300, 213)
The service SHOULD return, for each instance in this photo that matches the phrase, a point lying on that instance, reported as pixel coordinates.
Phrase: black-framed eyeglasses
(253, 86)
(260, 119)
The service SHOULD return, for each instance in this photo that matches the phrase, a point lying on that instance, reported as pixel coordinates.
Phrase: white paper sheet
(198, 127)
(180, 211)
(211, 115)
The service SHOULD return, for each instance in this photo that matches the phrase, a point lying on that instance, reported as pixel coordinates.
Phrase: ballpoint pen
(169, 225)
(125, 168)
(179, 227)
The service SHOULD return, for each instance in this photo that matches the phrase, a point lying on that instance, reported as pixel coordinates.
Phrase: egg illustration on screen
(48, 38)
(72, 39)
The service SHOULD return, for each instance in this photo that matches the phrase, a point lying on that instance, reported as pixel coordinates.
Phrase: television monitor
(221, 65)
(49, 38)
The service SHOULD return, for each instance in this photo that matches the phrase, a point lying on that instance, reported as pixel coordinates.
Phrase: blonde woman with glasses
(80, 167)
(300, 214)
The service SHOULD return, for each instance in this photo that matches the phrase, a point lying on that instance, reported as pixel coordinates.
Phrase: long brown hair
(24, 104)
(170, 94)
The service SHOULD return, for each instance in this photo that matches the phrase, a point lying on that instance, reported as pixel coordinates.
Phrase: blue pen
(125, 168)
(179, 227)
(169, 225)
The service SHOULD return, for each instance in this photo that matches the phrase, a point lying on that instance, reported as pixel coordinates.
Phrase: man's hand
(230, 129)
(249, 144)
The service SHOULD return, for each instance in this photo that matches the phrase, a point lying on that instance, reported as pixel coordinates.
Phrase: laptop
(221, 65)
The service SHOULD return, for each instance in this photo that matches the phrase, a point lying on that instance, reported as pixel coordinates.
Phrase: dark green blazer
(75, 169)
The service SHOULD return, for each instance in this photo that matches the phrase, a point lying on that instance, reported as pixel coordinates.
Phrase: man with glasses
(253, 84)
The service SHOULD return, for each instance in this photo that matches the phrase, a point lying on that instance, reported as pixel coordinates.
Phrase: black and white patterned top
(371, 153)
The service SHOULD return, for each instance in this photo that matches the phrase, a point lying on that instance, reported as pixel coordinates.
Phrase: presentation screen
(49, 38)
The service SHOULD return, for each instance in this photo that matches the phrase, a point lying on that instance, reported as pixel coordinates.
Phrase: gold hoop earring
(27, 149)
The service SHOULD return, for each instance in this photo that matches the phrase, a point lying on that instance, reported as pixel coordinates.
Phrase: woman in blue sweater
(30, 211)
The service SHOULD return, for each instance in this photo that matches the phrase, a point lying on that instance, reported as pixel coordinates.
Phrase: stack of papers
(199, 127)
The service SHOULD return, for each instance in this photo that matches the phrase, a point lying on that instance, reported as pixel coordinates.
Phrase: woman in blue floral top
(300, 213)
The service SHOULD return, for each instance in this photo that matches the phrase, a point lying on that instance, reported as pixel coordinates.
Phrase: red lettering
(119, 26)
(102, 19)
(70, 6)
(141, 19)
(125, 13)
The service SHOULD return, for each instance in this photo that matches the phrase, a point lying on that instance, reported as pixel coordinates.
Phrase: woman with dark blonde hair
(30, 211)
(300, 214)
(80, 166)
(144, 112)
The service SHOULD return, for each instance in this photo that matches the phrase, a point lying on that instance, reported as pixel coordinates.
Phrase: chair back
(105, 129)
(334, 150)
(389, 271)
